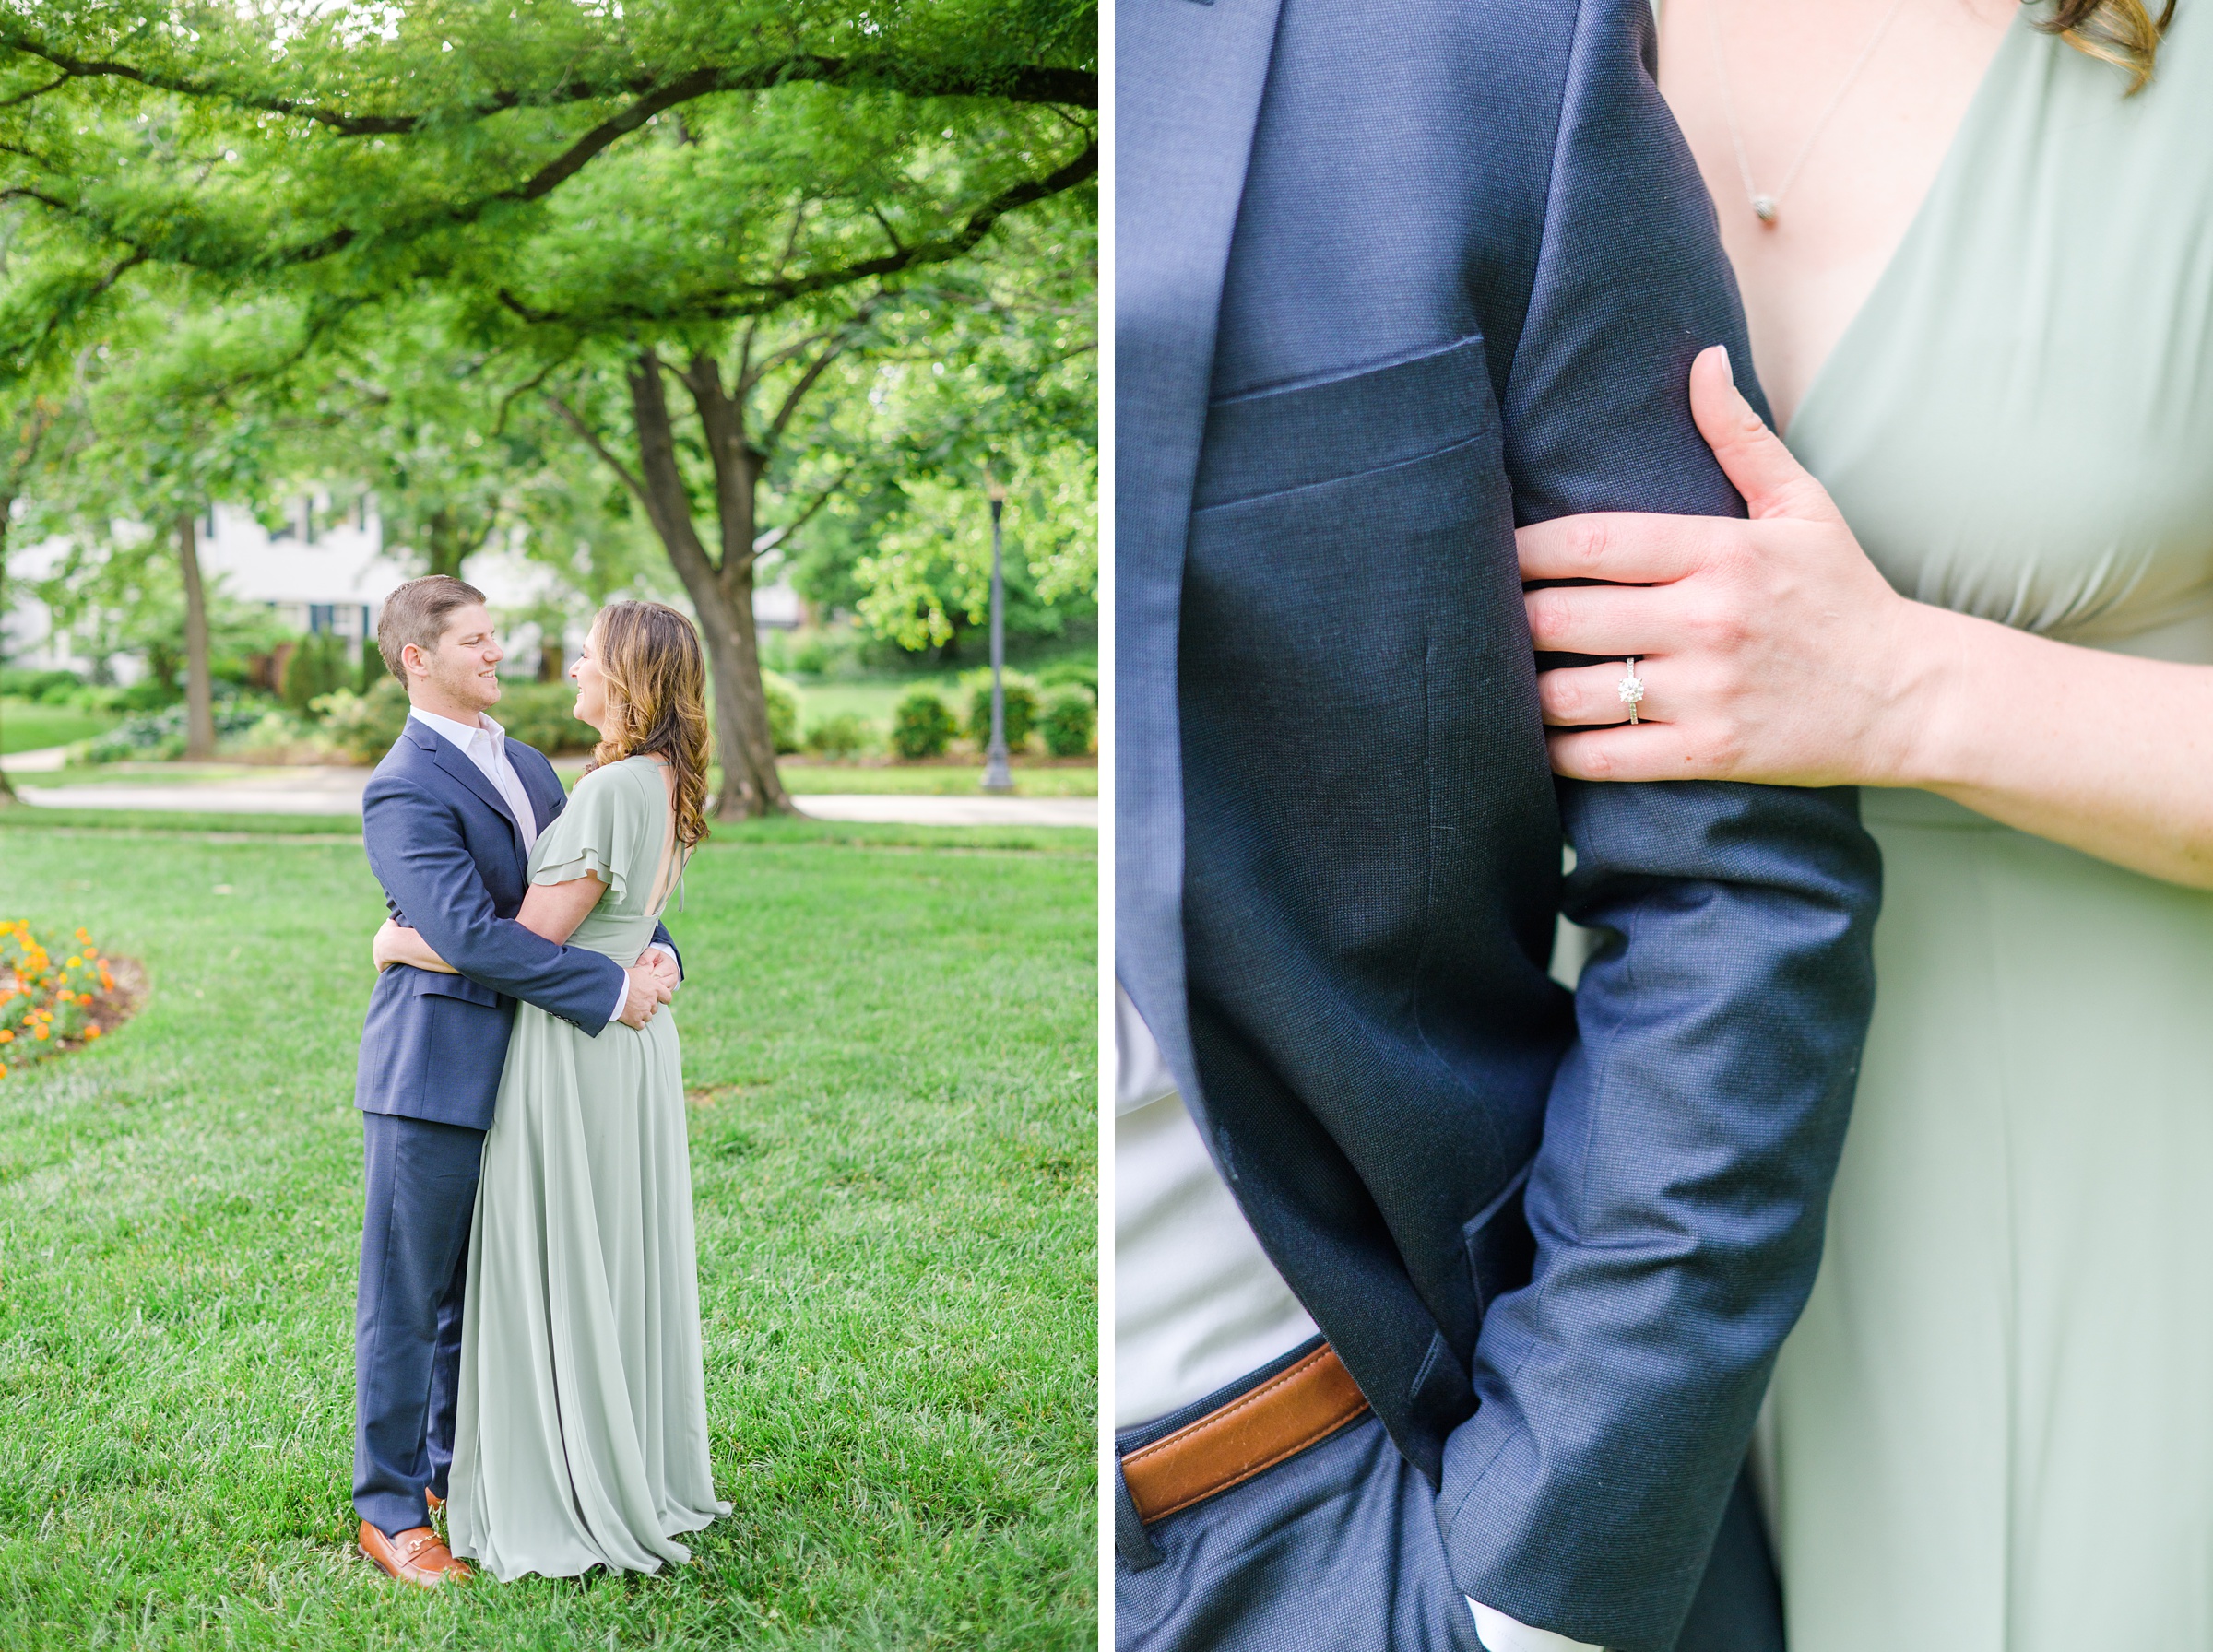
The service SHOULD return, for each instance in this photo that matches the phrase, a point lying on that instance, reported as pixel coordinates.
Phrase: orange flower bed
(50, 1006)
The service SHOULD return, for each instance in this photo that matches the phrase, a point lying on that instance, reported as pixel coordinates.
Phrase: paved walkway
(337, 791)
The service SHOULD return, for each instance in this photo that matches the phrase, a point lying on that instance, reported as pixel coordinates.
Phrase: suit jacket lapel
(540, 783)
(455, 763)
(1188, 77)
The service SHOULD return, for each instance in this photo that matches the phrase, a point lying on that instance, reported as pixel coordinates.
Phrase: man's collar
(460, 734)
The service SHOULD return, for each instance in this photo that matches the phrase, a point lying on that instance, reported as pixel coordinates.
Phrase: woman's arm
(553, 909)
(1773, 651)
(396, 945)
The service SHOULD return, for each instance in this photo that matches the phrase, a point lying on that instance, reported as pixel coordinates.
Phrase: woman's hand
(395, 945)
(1770, 650)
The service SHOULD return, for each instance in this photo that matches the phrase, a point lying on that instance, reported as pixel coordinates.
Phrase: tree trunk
(723, 597)
(199, 694)
(445, 547)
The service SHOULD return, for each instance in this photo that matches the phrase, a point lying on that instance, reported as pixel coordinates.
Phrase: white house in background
(319, 575)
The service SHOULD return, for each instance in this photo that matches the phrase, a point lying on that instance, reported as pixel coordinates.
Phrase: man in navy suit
(449, 820)
(1445, 1298)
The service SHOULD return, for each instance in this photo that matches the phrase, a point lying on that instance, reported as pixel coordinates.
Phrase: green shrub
(840, 737)
(317, 666)
(1070, 718)
(19, 682)
(149, 693)
(783, 712)
(922, 725)
(363, 726)
(1022, 708)
(158, 736)
(1061, 673)
(542, 714)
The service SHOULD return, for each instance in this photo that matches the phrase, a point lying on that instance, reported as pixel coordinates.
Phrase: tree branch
(591, 440)
(749, 374)
(508, 401)
(777, 535)
(1021, 83)
(837, 346)
(35, 92)
(759, 298)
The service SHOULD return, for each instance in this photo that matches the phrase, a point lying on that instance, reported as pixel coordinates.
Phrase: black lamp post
(997, 777)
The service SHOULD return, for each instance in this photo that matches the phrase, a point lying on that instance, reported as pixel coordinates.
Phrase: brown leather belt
(1298, 1407)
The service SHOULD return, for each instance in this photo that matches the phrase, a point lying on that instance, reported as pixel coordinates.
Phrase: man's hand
(664, 968)
(647, 994)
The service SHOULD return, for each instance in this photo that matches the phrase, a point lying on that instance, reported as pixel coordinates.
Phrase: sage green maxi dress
(581, 1434)
(1992, 1429)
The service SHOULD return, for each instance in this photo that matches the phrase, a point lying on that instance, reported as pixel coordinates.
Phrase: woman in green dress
(582, 1432)
(1976, 247)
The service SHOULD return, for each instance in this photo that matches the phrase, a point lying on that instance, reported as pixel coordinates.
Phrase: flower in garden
(41, 1033)
(6, 1036)
(91, 1032)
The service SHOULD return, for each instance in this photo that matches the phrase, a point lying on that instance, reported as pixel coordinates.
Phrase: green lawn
(1031, 780)
(890, 1042)
(874, 700)
(154, 774)
(28, 728)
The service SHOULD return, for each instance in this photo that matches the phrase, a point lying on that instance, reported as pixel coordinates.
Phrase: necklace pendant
(1764, 208)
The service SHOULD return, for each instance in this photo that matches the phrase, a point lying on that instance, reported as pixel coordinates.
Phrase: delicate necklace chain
(1766, 208)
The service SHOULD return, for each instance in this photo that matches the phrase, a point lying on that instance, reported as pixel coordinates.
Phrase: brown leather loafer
(432, 1501)
(415, 1556)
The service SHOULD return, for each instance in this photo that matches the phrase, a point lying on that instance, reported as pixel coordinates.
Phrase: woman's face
(591, 683)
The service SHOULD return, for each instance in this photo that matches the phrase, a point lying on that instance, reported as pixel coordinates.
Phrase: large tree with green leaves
(730, 196)
(172, 407)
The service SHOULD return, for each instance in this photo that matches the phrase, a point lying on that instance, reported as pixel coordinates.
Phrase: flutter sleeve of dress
(596, 835)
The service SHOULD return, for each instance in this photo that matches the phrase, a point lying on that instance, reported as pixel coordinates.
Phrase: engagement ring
(1631, 690)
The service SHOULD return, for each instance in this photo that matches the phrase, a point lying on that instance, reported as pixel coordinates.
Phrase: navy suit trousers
(1337, 1550)
(407, 1326)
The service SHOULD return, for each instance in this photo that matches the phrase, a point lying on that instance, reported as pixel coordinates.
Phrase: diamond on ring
(1631, 690)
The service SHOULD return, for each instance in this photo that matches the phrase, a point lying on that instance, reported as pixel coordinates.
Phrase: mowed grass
(1032, 779)
(26, 726)
(891, 1053)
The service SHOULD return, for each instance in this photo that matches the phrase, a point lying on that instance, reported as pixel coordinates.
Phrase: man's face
(464, 668)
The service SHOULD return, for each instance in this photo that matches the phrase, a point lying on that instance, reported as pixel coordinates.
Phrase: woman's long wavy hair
(656, 696)
(2122, 32)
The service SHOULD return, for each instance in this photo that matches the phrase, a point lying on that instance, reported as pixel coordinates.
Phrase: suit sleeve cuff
(1499, 1633)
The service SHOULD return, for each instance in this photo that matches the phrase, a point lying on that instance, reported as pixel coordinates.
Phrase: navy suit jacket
(1391, 279)
(446, 848)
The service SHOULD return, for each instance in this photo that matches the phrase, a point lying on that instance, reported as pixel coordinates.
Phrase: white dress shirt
(486, 746)
(1197, 1303)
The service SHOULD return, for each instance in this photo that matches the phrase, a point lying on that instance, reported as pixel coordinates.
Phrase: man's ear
(411, 661)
